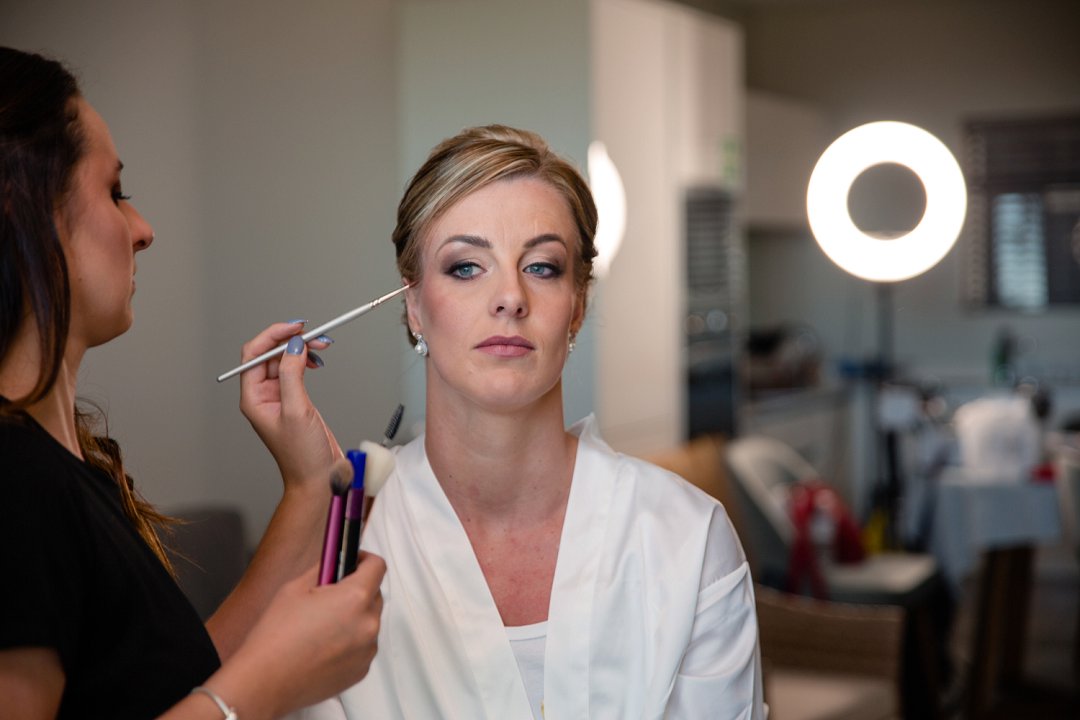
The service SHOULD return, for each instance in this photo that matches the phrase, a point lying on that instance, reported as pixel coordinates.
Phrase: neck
(501, 467)
(19, 373)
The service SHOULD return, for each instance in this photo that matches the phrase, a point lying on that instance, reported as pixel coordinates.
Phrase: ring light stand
(886, 260)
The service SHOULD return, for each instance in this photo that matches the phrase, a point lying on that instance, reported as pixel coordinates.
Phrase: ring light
(873, 257)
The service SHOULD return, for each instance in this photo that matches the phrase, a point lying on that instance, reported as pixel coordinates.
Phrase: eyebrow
(477, 241)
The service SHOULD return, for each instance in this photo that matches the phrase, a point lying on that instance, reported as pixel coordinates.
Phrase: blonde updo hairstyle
(473, 159)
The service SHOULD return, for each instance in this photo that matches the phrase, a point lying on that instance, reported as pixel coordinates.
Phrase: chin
(514, 396)
(113, 332)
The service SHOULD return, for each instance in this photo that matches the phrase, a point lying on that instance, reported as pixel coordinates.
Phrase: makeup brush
(372, 464)
(312, 334)
(354, 505)
(380, 461)
(393, 425)
(341, 475)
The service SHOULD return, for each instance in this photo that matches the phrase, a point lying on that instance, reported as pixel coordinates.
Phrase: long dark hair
(41, 142)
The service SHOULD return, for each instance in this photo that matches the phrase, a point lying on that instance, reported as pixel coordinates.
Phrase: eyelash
(461, 265)
(550, 270)
(118, 195)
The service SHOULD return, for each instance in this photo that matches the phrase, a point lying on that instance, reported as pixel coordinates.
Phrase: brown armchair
(827, 660)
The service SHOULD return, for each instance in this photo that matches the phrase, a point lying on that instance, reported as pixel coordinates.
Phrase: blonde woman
(532, 571)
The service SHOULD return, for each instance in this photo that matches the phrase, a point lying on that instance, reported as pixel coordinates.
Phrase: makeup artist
(92, 624)
(533, 571)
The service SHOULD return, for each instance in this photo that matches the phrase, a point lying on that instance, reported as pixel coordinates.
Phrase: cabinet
(784, 139)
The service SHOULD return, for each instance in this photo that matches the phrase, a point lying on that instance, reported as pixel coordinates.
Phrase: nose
(510, 299)
(142, 235)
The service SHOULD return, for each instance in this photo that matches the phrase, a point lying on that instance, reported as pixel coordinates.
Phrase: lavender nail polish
(295, 346)
(326, 339)
(315, 359)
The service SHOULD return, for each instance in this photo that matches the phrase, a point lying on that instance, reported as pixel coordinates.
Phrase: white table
(975, 512)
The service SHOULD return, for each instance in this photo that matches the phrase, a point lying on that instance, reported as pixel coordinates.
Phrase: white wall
(298, 129)
(259, 138)
(934, 64)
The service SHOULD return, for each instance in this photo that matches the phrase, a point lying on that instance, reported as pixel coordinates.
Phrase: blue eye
(543, 270)
(463, 270)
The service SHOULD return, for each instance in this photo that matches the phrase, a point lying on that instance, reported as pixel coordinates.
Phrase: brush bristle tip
(341, 476)
(380, 463)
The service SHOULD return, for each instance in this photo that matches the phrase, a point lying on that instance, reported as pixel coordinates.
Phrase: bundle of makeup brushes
(355, 480)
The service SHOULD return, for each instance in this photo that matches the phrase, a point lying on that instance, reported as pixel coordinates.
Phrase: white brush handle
(312, 334)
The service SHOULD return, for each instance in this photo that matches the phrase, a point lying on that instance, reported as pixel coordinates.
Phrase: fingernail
(326, 339)
(295, 346)
(295, 322)
(315, 359)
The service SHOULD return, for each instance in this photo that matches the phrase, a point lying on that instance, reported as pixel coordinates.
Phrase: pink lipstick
(501, 346)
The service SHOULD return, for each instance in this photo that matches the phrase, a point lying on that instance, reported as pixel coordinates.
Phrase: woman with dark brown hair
(92, 624)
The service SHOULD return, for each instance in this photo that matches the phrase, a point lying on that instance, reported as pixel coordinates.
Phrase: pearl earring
(421, 346)
(571, 345)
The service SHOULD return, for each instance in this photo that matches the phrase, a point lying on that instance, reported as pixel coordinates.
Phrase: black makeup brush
(393, 425)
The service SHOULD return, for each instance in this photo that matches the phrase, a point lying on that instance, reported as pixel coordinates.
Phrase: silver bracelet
(230, 713)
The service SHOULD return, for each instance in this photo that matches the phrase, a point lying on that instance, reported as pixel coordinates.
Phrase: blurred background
(268, 143)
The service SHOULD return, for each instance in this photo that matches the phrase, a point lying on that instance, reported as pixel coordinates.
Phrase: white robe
(651, 614)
